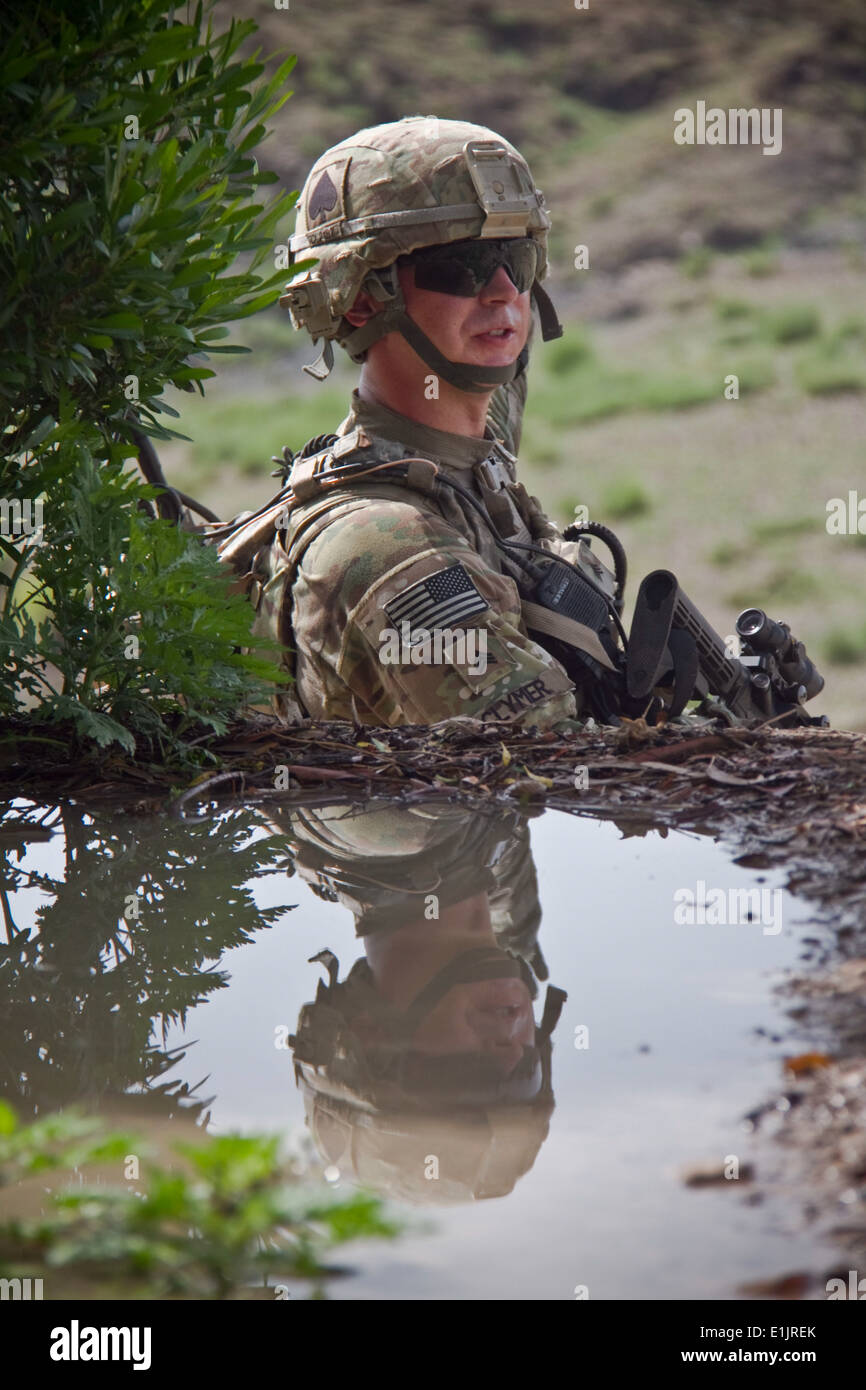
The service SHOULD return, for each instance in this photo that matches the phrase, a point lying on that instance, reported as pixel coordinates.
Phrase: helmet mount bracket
(502, 193)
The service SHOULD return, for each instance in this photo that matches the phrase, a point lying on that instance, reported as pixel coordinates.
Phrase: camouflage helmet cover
(392, 189)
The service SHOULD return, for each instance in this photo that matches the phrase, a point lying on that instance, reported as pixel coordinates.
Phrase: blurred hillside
(589, 96)
(704, 261)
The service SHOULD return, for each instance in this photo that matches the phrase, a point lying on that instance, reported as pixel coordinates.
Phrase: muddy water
(533, 1029)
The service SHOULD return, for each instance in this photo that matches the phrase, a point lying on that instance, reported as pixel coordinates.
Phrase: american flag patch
(444, 599)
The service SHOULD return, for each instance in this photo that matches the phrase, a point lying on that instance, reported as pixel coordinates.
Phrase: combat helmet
(390, 190)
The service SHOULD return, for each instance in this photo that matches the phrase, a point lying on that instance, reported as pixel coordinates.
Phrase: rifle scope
(765, 635)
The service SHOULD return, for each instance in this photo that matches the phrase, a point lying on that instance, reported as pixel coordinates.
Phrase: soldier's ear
(364, 307)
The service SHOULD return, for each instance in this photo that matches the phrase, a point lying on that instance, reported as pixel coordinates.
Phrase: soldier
(391, 585)
(425, 1074)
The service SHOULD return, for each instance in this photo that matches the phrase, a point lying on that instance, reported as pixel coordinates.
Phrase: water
(535, 1172)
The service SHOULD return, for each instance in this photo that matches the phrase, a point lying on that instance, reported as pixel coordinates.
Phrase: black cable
(532, 570)
(614, 545)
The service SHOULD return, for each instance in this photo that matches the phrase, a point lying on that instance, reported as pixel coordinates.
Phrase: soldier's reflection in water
(424, 1071)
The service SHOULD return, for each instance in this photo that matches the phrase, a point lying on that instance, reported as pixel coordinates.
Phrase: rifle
(770, 678)
(672, 654)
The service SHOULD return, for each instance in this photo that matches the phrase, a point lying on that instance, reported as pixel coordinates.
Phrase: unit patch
(323, 199)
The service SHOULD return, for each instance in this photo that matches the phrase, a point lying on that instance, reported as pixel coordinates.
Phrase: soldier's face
(487, 1016)
(489, 330)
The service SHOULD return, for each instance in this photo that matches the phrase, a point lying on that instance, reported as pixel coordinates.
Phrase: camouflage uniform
(379, 540)
(376, 1103)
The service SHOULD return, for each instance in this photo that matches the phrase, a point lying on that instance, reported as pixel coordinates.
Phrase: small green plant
(793, 323)
(851, 329)
(626, 498)
(142, 637)
(601, 205)
(676, 391)
(819, 377)
(726, 309)
(783, 527)
(567, 353)
(754, 373)
(227, 1214)
(843, 647)
(696, 263)
(782, 586)
(763, 261)
(724, 554)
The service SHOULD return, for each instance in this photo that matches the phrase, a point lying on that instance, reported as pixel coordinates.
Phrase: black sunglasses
(465, 267)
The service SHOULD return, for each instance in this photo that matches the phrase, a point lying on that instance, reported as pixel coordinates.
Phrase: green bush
(819, 377)
(755, 373)
(791, 586)
(853, 326)
(780, 528)
(762, 262)
(130, 192)
(695, 264)
(844, 647)
(793, 323)
(726, 553)
(677, 391)
(137, 625)
(626, 498)
(229, 1213)
(569, 352)
(733, 309)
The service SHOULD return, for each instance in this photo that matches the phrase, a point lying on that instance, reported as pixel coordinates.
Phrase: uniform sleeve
(394, 606)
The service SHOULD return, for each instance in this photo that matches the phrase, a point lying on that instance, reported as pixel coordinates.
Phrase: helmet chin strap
(393, 318)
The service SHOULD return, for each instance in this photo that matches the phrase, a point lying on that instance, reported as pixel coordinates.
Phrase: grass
(677, 391)
(817, 376)
(626, 498)
(566, 353)
(762, 262)
(244, 431)
(792, 323)
(696, 263)
(851, 328)
(782, 586)
(843, 647)
(780, 528)
(725, 554)
(572, 383)
(733, 309)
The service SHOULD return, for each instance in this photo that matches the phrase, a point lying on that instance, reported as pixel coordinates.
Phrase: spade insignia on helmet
(323, 199)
